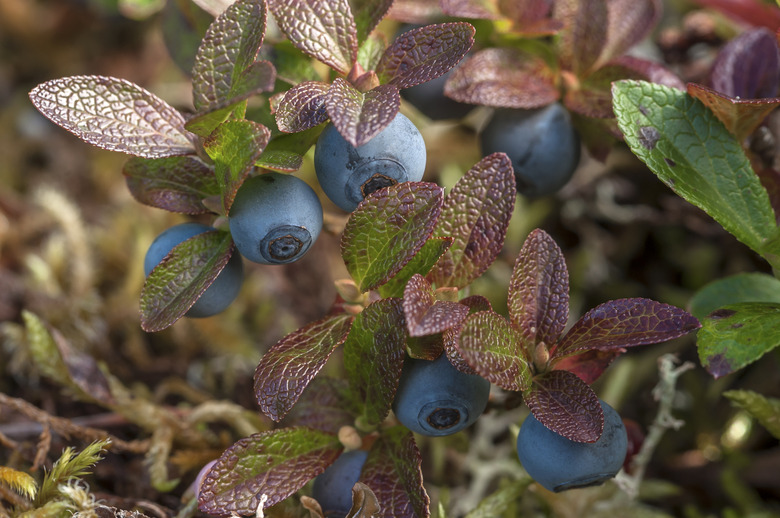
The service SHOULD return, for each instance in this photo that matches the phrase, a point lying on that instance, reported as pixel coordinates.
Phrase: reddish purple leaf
(324, 405)
(393, 472)
(629, 22)
(259, 77)
(587, 365)
(530, 18)
(752, 12)
(562, 402)
(582, 38)
(276, 464)
(114, 114)
(177, 282)
(593, 95)
(748, 67)
(373, 357)
(480, 9)
(424, 314)
(419, 55)
(288, 367)
(539, 290)
(322, 29)
(228, 49)
(358, 116)
(368, 14)
(176, 184)
(418, 12)
(625, 323)
(740, 116)
(496, 350)
(82, 368)
(450, 337)
(503, 78)
(302, 107)
(475, 214)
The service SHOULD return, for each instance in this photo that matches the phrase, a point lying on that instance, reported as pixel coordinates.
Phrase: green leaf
(359, 116)
(766, 410)
(322, 29)
(61, 362)
(496, 350)
(691, 151)
(393, 472)
(371, 51)
(421, 263)
(387, 229)
(204, 123)
(177, 282)
(476, 214)
(373, 357)
(114, 114)
(368, 14)
(539, 289)
(287, 368)
(502, 501)
(742, 287)
(228, 49)
(275, 463)
(565, 404)
(736, 335)
(285, 152)
(176, 184)
(235, 146)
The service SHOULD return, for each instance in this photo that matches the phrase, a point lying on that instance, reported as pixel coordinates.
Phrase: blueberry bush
(475, 302)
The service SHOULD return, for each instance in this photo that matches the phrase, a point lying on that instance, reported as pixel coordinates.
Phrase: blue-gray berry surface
(542, 144)
(558, 463)
(435, 399)
(333, 487)
(275, 218)
(347, 174)
(225, 287)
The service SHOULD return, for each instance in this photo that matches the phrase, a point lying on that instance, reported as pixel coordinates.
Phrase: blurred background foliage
(72, 242)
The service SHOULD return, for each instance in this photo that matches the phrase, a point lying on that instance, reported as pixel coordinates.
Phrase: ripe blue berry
(333, 487)
(435, 399)
(558, 463)
(347, 174)
(430, 100)
(275, 218)
(225, 287)
(542, 144)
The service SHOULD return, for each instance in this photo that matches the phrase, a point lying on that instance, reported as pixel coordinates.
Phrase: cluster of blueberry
(436, 399)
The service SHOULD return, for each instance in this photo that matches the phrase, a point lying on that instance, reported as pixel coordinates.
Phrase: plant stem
(664, 392)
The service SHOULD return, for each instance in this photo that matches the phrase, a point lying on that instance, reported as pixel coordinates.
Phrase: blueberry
(275, 218)
(542, 143)
(434, 398)
(347, 174)
(225, 287)
(430, 100)
(558, 463)
(333, 487)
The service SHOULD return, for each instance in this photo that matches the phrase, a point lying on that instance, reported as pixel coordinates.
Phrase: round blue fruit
(225, 287)
(435, 399)
(558, 463)
(275, 218)
(347, 174)
(333, 487)
(430, 100)
(542, 144)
